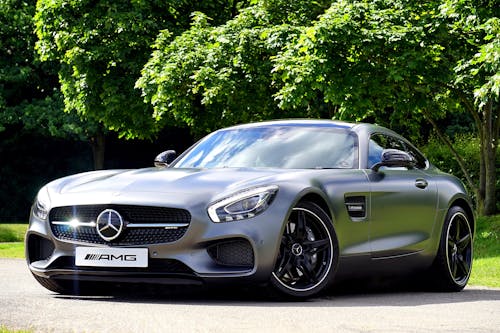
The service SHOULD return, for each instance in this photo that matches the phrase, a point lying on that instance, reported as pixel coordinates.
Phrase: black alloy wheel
(454, 259)
(308, 254)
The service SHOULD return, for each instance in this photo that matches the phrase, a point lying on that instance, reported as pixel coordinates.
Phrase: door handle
(421, 183)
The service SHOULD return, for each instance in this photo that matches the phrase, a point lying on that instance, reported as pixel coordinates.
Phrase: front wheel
(308, 253)
(453, 263)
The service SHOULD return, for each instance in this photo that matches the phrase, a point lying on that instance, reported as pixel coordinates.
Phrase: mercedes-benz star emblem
(297, 249)
(109, 224)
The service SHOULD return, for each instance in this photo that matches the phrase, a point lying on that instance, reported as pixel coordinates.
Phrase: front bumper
(242, 251)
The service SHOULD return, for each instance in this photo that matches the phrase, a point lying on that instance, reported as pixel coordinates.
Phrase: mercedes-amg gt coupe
(288, 204)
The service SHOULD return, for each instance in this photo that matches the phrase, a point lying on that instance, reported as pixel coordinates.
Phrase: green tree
(388, 60)
(24, 82)
(400, 60)
(476, 82)
(212, 76)
(102, 46)
(29, 90)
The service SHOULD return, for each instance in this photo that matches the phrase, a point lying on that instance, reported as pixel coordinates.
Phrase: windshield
(292, 147)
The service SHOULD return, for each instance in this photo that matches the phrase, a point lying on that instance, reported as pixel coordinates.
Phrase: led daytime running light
(253, 202)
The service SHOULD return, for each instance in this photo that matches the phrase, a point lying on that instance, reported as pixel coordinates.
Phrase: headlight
(42, 204)
(242, 205)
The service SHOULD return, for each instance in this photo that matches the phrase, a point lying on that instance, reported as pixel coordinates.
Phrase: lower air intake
(39, 248)
(235, 252)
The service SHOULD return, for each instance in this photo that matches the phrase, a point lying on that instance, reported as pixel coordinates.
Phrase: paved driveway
(25, 304)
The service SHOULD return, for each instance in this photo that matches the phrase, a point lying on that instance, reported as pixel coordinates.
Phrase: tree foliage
(29, 92)
(393, 61)
(369, 58)
(475, 27)
(102, 46)
(30, 97)
(212, 76)
(410, 59)
(137, 66)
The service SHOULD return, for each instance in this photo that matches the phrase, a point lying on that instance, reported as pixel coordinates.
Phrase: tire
(308, 254)
(452, 266)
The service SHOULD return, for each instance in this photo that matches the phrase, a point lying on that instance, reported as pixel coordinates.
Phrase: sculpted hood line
(153, 180)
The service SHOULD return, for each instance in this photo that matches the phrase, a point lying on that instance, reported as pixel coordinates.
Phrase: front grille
(234, 252)
(136, 236)
(137, 215)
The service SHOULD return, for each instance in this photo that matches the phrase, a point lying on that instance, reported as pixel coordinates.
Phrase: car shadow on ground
(359, 293)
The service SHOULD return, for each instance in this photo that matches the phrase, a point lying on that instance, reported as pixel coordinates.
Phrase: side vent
(356, 207)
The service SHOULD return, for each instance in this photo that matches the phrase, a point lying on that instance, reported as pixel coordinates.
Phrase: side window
(379, 142)
(421, 161)
(375, 149)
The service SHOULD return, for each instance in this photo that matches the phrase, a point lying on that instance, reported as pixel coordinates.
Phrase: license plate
(111, 257)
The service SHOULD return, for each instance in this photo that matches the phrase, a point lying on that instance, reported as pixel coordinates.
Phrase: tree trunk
(98, 143)
(234, 9)
(488, 125)
(488, 151)
(482, 171)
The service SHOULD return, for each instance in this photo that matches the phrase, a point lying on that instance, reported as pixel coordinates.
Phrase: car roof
(314, 123)
(362, 130)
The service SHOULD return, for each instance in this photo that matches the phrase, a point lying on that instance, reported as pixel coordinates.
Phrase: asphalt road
(26, 305)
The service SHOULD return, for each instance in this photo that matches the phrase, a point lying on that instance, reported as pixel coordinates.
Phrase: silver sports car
(288, 204)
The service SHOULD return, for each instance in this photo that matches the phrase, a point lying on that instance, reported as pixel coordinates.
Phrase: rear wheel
(453, 263)
(308, 254)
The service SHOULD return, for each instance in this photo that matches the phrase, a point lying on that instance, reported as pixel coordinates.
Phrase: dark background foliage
(30, 160)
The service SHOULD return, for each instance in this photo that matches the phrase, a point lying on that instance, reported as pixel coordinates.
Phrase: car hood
(178, 185)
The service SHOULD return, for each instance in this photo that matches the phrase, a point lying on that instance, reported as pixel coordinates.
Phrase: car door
(403, 202)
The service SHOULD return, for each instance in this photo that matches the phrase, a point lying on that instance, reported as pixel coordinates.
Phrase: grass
(12, 240)
(12, 232)
(4, 329)
(12, 250)
(485, 269)
(486, 266)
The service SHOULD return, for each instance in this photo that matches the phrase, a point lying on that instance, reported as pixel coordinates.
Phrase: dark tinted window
(379, 142)
(421, 161)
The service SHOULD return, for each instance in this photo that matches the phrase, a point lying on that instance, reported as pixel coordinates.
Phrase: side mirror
(165, 158)
(394, 158)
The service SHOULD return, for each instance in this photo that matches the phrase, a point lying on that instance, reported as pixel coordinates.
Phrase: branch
(457, 156)
(469, 107)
